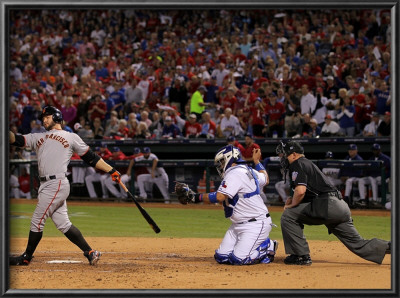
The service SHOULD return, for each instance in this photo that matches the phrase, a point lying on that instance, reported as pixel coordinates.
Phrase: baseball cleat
(271, 253)
(22, 260)
(298, 260)
(93, 256)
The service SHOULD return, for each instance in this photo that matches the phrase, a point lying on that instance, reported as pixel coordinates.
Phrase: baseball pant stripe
(252, 251)
(44, 214)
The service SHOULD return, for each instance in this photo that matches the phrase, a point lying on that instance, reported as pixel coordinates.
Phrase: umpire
(316, 201)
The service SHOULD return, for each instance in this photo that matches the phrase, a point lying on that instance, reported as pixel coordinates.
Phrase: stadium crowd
(151, 74)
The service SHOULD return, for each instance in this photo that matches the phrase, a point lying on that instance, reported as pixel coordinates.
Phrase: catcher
(247, 240)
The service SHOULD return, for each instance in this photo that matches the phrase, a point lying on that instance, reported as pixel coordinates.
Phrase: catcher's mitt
(184, 193)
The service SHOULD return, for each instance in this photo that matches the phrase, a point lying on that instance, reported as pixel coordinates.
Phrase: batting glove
(115, 175)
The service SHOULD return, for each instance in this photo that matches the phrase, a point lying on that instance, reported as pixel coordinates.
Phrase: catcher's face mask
(285, 149)
(280, 151)
(225, 157)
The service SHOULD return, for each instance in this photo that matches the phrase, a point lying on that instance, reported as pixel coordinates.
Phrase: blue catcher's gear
(225, 157)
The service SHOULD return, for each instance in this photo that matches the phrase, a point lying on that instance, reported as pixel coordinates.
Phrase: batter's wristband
(198, 198)
(259, 167)
(112, 171)
(212, 197)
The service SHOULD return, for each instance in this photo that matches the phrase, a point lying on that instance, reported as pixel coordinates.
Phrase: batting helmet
(51, 110)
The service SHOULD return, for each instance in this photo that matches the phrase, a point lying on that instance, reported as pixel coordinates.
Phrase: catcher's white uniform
(251, 223)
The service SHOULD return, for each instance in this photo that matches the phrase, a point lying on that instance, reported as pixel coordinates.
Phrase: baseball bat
(146, 216)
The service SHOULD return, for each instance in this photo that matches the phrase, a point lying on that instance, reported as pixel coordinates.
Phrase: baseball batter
(247, 240)
(157, 175)
(54, 149)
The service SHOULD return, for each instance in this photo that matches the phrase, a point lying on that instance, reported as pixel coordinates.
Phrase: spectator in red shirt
(257, 118)
(192, 127)
(229, 100)
(249, 96)
(367, 109)
(296, 80)
(359, 102)
(258, 79)
(275, 113)
(97, 108)
(249, 147)
(309, 80)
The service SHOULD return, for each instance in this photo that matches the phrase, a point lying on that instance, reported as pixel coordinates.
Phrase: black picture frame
(5, 6)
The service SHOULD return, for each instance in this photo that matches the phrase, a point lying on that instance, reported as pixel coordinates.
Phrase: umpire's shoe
(389, 249)
(298, 260)
(22, 260)
(93, 256)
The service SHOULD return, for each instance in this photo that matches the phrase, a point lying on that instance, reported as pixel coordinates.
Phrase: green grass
(116, 221)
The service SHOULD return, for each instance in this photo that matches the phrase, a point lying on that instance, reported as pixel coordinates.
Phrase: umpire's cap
(146, 150)
(51, 110)
(291, 147)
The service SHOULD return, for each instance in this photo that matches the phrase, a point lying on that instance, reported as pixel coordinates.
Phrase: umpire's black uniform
(323, 205)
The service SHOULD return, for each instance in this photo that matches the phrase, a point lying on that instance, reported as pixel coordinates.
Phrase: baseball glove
(184, 193)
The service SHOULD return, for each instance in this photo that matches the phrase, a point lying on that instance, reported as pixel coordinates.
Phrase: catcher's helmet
(51, 110)
(225, 157)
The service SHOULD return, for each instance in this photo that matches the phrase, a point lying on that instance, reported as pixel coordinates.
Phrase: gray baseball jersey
(53, 149)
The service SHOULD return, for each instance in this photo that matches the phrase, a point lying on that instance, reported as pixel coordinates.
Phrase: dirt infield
(172, 263)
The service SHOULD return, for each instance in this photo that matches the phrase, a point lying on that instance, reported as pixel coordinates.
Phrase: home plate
(63, 262)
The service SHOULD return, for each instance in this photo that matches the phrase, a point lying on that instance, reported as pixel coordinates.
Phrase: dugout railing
(192, 171)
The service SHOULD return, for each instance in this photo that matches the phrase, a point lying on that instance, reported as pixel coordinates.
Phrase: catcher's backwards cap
(225, 157)
(51, 110)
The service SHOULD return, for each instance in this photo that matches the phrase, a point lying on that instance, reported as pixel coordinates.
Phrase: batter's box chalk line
(63, 262)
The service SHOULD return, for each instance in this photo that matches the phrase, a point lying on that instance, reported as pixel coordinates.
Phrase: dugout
(200, 175)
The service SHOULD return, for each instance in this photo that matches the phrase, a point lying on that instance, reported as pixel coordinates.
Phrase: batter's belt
(51, 177)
